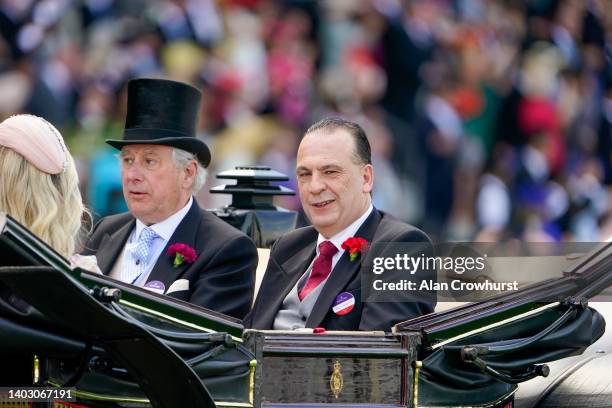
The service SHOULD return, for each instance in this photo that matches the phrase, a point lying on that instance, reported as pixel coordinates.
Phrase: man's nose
(317, 184)
(133, 173)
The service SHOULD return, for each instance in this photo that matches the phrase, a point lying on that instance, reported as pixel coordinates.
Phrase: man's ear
(189, 174)
(367, 173)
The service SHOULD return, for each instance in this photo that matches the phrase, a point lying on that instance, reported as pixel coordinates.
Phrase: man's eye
(330, 171)
(127, 160)
(150, 162)
(303, 175)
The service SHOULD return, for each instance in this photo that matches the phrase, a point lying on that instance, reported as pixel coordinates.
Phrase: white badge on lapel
(343, 304)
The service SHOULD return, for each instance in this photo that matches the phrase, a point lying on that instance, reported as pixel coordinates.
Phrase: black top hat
(163, 112)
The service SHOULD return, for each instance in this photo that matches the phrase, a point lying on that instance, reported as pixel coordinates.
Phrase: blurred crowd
(488, 119)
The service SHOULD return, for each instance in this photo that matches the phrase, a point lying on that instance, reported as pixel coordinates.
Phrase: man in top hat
(311, 278)
(166, 242)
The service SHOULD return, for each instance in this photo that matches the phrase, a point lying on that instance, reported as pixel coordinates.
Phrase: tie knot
(326, 248)
(147, 235)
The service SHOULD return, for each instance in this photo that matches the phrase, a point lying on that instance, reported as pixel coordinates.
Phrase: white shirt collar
(166, 228)
(348, 232)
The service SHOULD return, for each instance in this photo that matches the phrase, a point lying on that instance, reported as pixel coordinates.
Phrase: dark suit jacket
(222, 277)
(293, 253)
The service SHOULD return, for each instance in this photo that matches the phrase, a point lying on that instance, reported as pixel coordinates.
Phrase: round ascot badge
(156, 286)
(343, 304)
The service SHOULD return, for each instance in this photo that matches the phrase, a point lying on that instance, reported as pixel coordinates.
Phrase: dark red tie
(321, 267)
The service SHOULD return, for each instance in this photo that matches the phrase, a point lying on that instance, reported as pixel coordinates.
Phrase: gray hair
(182, 158)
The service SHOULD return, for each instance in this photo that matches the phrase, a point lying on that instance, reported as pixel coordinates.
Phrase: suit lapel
(343, 273)
(186, 233)
(111, 247)
(290, 272)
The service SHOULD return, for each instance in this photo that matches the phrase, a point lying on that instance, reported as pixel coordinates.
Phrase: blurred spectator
(488, 119)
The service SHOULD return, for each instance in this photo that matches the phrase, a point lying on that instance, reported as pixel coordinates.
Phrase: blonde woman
(39, 182)
(39, 188)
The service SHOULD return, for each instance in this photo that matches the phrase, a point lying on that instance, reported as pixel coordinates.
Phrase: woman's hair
(50, 205)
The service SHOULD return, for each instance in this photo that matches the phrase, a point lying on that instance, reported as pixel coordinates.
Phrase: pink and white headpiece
(37, 140)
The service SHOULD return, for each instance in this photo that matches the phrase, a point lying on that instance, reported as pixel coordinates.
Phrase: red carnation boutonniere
(182, 253)
(356, 246)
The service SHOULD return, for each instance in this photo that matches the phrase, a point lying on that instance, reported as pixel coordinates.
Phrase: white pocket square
(178, 285)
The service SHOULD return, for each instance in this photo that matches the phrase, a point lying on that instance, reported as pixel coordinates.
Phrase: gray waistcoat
(293, 313)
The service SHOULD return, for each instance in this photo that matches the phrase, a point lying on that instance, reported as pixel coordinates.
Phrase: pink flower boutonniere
(182, 253)
(356, 246)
